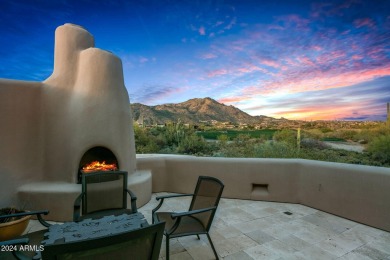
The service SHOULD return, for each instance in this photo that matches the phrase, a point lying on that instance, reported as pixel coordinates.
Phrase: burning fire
(99, 166)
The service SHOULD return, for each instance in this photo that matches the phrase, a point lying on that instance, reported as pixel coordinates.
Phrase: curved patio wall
(359, 193)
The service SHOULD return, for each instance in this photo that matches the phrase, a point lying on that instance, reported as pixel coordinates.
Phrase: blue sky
(295, 59)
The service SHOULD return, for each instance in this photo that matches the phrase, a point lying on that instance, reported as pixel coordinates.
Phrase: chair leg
(167, 247)
(198, 237)
(212, 246)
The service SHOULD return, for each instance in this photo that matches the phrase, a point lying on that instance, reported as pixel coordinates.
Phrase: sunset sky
(296, 59)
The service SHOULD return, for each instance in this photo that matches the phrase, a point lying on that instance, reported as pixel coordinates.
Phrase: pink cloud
(317, 48)
(297, 20)
(231, 24)
(208, 56)
(218, 23)
(216, 73)
(375, 53)
(231, 100)
(329, 57)
(276, 27)
(202, 31)
(357, 57)
(269, 63)
(251, 68)
(291, 62)
(306, 61)
(322, 10)
(322, 81)
(143, 59)
(157, 94)
(364, 22)
(310, 113)
(329, 111)
(293, 20)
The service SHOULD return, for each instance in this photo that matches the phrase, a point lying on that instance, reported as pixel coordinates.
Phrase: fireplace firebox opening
(97, 159)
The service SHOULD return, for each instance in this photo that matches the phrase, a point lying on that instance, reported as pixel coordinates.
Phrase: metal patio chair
(201, 212)
(103, 193)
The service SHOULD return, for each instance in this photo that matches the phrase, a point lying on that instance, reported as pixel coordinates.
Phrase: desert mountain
(193, 111)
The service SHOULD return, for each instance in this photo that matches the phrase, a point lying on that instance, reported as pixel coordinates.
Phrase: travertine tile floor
(244, 229)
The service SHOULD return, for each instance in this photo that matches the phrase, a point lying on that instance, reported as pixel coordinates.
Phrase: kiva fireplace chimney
(49, 127)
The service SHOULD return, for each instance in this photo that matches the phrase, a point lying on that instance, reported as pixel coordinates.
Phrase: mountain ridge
(193, 111)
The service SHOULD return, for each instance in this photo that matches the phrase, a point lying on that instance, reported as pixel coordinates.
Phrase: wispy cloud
(143, 59)
(290, 60)
(365, 100)
(153, 92)
(202, 30)
(303, 59)
(364, 22)
(218, 72)
(207, 56)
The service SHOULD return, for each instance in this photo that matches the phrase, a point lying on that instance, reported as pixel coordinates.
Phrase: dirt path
(355, 147)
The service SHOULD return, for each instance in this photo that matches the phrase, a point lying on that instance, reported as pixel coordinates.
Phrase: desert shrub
(321, 155)
(340, 156)
(313, 134)
(168, 150)
(193, 144)
(177, 139)
(286, 136)
(379, 148)
(333, 139)
(243, 146)
(223, 138)
(369, 135)
(325, 130)
(276, 150)
(313, 144)
(365, 135)
(150, 147)
(345, 134)
(241, 139)
(144, 142)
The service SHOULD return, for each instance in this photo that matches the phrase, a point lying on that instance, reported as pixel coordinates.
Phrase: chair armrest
(133, 200)
(177, 217)
(161, 198)
(38, 213)
(41, 220)
(173, 196)
(76, 207)
(27, 213)
(192, 212)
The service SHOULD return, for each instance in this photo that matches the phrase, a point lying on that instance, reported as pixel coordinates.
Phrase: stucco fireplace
(50, 130)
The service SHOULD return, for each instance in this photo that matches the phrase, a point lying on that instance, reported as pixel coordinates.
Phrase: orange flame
(99, 166)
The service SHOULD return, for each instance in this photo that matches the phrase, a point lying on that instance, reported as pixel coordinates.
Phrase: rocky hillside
(192, 111)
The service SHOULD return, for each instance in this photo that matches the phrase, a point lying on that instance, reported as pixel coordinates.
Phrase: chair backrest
(207, 194)
(104, 190)
(144, 243)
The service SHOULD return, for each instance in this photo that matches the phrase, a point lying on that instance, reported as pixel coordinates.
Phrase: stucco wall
(355, 192)
(21, 137)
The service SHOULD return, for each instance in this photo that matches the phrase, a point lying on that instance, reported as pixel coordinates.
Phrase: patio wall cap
(301, 162)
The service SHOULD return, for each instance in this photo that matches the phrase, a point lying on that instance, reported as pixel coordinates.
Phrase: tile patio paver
(244, 229)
